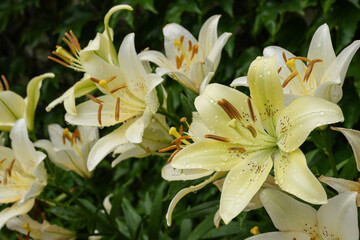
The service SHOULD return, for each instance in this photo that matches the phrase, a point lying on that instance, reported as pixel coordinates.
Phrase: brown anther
(182, 39)
(217, 138)
(288, 79)
(251, 110)
(240, 149)
(284, 57)
(66, 135)
(5, 176)
(195, 50)
(76, 135)
(58, 61)
(190, 45)
(173, 155)
(279, 70)
(309, 69)
(11, 166)
(179, 60)
(172, 147)
(301, 58)
(95, 80)
(2, 160)
(67, 60)
(99, 114)
(181, 129)
(117, 109)
(1, 87)
(180, 138)
(5, 82)
(183, 119)
(230, 110)
(69, 44)
(75, 40)
(252, 130)
(110, 79)
(118, 88)
(94, 99)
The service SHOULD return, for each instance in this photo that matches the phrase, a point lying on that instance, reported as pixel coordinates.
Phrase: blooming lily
(322, 75)
(188, 61)
(68, 150)
(22, 173)
(154, 138)
(342, 185)
(27, 226)
(14, 107)
(248, 136)
(335, 220)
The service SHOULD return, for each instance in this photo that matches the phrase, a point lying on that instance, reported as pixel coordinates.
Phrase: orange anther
(117, 109)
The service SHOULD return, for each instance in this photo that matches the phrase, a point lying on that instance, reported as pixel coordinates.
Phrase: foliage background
(30, 30)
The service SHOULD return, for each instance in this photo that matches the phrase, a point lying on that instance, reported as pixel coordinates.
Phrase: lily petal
(215, 54)
(208, 34)
(266, 91)
(301, 116)
(288, 214)
(353, 137)
(293, 175)
(158, 58)
(242, 183)
(240, 81)
(338, 218)
(12, 107)
(173, 174)
(342, 185)
(280, 236)
(321, 48)
(15, 210)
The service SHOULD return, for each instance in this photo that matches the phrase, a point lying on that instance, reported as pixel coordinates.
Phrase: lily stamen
(288, 79)
(230, 110)
(117, 109)
(301, 58)
(195, 50)
(95, 80)
(76, 135)
(251, 110)
(190, 45)
(3, 160)
(252, 130)
(309, 69)
(11, 166)
(168, 148)
(217, 138)
(98, 101)
(279, 70)
(118, 88)
(66, 135)
(5, 83)
(179, 60)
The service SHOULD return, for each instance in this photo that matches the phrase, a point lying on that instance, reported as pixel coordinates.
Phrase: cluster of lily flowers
(233, 141)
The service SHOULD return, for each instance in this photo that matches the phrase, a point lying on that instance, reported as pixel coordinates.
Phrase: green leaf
(205, 226)
(185, 229)
(227, 6)
(132, 218)
(156, 214)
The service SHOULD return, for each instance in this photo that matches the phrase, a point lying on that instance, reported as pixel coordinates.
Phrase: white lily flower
(154, 138)
(22, 173)
(188, 61)
(342, 185)
(353, 137)
(335, 220)
(26, 225)
(248, 136)
(14, 107)
(322, 75)
(70, 151)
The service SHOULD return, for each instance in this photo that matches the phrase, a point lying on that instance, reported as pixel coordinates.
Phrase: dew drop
(224, 158)
(300, 125)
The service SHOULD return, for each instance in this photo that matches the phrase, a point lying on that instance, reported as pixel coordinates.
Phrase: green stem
(329, 153)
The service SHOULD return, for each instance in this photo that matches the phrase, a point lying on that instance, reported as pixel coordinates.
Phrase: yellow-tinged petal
(293, 175)
(33, 95)
(266, 91)
(12, 107)
(185, 191)
(353, 136)
(288, 214)
(302, 116)
(24, 224)
(15, 210)
(280, 236)
(173, 174)
(242, 183)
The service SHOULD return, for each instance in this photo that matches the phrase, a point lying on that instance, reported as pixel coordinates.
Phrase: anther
(252, 130)
(94, 99)
(99, 114)
(251, 110)
(5, 82)
(168, 148)
(180, 139)
(217, 138)
(195, 50)
(76, 135)
(117, 109)
(255, 230)
(190, 45)
(279, 70)
(66, 135)
(230, 110)
(11, 166)
(183, 119)
(3, 160)
(95, 80)
(301, 58)
(309, 69)
(58, 61)
(284, 57)
(118, 88)
(179, 60)
(289, 78)
(240, 149)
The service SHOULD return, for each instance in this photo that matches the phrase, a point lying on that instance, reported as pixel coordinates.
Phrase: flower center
(8, 171)
(73, 138)
(308, 84)
(188, 54)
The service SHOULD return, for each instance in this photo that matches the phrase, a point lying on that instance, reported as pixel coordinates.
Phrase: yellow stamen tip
(27, 227)
(177, 42)
(173, 131)
(103, 83)
(255, 230)
(66, 131)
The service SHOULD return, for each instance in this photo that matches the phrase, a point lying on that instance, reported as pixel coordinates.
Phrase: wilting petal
(185, 191)
(80, 88)
(288, 214)
(242, 182)
(12, 107)
(340, 65)
(240, 81)
(302, 116)
(208, 154)
(208, 34)
(293, 175)
(321, 48)
(266, 91)
(338, 218)
(14, 211)
(280, 236)
(33, 95)
(353, 137)
(173, 174)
